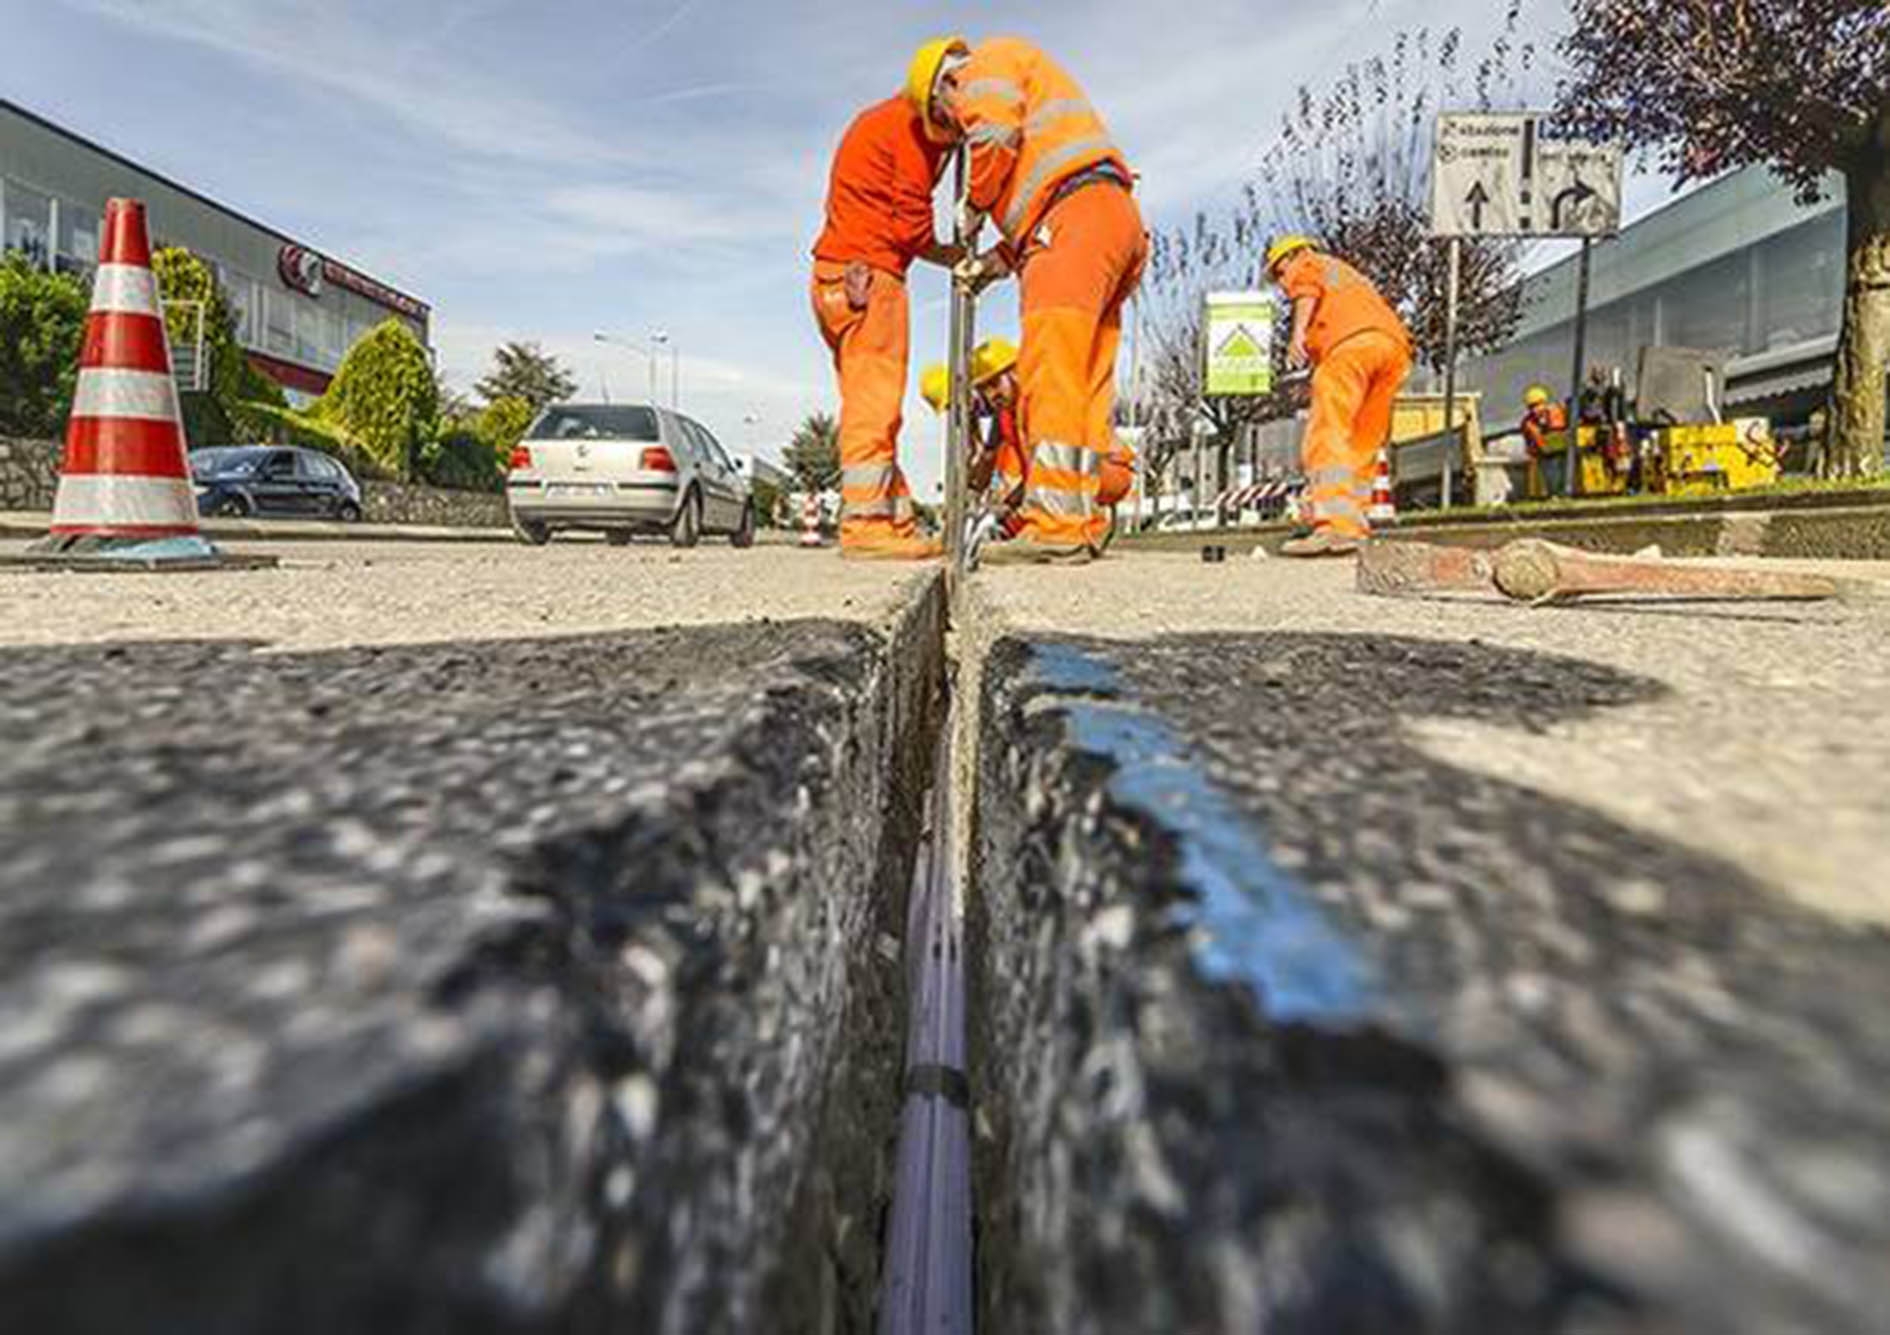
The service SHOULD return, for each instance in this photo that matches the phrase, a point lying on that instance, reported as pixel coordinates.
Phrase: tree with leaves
(188, 285)
(1802, 86)
(813, 456)
(384, 401)
(525, 371)
(1349, 167)
(42, 320)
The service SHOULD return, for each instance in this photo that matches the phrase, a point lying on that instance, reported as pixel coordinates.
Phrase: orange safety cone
(1384, 508)
(125, 497)
(810, 521)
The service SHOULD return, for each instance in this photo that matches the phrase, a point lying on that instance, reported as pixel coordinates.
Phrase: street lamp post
(661, 338)
(648, 354)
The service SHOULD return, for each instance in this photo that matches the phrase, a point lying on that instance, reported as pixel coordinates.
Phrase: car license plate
(566, 489)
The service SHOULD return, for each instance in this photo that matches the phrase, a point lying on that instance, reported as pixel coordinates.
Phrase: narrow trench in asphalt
(926, 1263)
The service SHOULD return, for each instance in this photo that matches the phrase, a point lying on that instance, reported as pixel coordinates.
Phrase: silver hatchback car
(623, 469)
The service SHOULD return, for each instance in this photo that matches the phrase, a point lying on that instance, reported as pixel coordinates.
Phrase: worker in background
(1543, 416)
(1360, 353)
(1046, 172)
(997, 442)
(879, 221)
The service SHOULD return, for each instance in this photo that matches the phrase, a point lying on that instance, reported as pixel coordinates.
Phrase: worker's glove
(979, 272)
(859, 285)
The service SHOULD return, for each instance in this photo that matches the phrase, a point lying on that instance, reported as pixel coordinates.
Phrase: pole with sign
(1499, 175)
(1237, 348)
(1237, 341)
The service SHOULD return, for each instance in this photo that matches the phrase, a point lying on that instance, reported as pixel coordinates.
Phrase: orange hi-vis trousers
(1079, 270)
(1352, 393)
(869, 357)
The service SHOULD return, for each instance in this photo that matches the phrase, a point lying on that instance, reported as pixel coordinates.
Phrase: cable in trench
(926, 1278)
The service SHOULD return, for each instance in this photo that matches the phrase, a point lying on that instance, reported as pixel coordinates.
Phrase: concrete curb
(32, 524)
(585, 1014)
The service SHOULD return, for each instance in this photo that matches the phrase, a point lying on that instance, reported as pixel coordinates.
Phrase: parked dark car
(242, 480)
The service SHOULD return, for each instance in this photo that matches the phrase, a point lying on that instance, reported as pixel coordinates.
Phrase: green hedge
(42, 322)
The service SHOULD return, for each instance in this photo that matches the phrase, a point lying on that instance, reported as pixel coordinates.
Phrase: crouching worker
(1543, 417)
(999, 464)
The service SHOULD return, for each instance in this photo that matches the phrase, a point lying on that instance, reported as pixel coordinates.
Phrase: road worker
(1543, 415)
(1045, 171)
(1360, 353)
(878, 222)
(997, 452)
(997, 443)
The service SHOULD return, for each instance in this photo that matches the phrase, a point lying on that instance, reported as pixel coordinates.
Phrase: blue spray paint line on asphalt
(1258, 924)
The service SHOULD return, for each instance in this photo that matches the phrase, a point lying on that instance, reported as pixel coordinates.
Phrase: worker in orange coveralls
(1045, 170)
(998, 462)
(1360, 353)
(879, 221)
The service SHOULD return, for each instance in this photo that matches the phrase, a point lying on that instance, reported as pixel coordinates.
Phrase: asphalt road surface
(1352, 964)
(469, 940)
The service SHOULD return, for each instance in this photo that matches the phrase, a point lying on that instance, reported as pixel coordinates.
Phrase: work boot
(1026, 551)
(889, 547)
(1321, 542)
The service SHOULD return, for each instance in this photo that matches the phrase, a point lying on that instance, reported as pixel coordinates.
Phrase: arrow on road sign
(1573, 197)
(1477, 199)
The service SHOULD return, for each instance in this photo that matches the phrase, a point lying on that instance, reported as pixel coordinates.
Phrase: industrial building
(297, 308)
(1737, 267)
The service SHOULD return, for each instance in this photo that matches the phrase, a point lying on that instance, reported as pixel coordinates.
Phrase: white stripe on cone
(125, 289)
(101, 500)
(109, 392)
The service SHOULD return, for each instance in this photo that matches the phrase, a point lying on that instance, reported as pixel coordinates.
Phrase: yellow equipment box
(1701, 460)
(1599, 476)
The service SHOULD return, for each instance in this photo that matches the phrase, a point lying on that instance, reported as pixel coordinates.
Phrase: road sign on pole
(1237, 337)
(1497, 174)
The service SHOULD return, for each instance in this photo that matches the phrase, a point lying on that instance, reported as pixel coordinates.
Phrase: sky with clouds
(548, 169)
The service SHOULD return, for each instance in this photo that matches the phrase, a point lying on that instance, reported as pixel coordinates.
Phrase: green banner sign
(1238, 344)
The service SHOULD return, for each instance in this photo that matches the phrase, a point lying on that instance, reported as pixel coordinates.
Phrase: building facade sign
(306, 272)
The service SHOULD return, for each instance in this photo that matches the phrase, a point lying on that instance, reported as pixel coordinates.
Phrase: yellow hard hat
(1284, 246)
(922, 75)
(935, 386)
(1535, 396)
(992, 359)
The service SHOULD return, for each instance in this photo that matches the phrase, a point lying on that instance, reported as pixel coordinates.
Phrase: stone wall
(402, 503)
(29, 474)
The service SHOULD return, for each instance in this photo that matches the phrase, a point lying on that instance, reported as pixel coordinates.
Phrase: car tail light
(521, 459)
(656, 459)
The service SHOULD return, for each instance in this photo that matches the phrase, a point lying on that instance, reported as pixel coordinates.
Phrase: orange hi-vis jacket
(1030, 128)
(1345, 302)
(879, 199)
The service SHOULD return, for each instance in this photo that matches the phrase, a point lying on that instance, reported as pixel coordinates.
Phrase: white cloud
(372, 61)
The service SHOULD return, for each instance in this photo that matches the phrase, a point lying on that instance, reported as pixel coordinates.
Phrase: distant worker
(1360, 353)
(997, 444)
(879, 221)
(1543, 415)
(1045, 170)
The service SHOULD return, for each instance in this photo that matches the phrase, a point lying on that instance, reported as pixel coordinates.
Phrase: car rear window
(595, 423)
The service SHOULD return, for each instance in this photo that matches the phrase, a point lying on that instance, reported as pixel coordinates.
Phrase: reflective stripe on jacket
(1029, 128)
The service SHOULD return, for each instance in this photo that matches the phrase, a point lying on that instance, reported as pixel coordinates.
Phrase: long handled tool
(1533, 571)
(964, 319)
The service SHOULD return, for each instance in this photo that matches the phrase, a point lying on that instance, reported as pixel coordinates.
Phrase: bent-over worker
(1360, 353)
(1045, 170)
